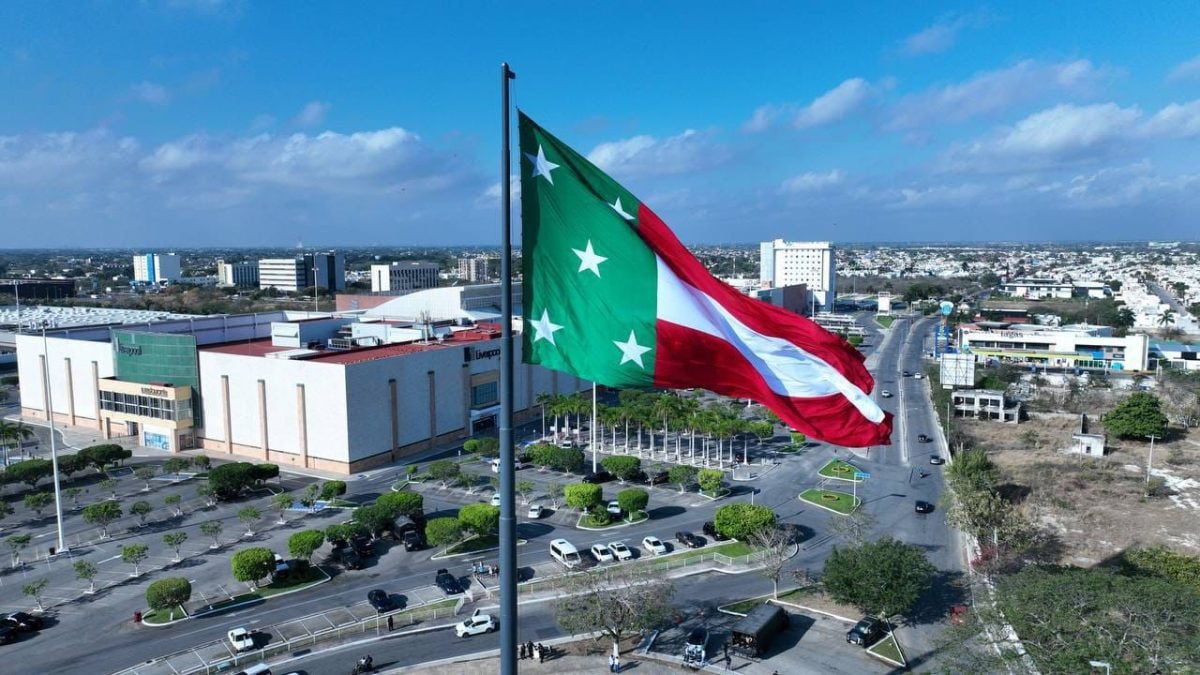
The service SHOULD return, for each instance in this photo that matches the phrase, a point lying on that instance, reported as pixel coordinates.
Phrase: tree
(402, 503)
(444, 470)
(282, 502)
(212, 528)
(174, 502)
(374, 518)
(308, 497)
(251, 564)
(884, 577)
(583, 496)
(614, 601)
(175, 541)
(38, 501)
(201, 462)
(17, 542)
(973, 470)
(468, 480)
(228, 480)
(71, 464)
(135, 554)
(479, 519)
(1138, 416)
(207, 493)
(682, 475)
(555, 492)
(109, 485)
(141, 510)
(249, 515)
(102, 455)
(102, 514)
(264, 472)
(331, 489)
(29, 471)
(633, 501)
(741, 521)
(165, 595)
(35, 589)
(145, 474)
(624, 467)
(710, 479)
(762, 430)
(87, 571)
(443, 531)
(73, 493)
(773, 543)
(305, 543)
(524, 489)
(484, 447)
(854, 527)
(175, 465)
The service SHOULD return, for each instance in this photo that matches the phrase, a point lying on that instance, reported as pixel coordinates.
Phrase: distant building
(985, 404)
(283, 274)
(242, 275)
(812, 263)
(326, 270)
(1040, 288)
(406, 275)
(156, 268)
(792, 298)
(477, 270)
(30, 289)
(1078, 346)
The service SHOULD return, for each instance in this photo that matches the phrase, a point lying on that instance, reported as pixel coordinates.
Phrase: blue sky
(218, 122)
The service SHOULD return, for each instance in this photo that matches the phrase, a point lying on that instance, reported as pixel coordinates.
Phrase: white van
(565, 552)
(256, 669)
(496, 464)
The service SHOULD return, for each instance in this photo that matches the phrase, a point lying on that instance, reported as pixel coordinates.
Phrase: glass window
(485, 394)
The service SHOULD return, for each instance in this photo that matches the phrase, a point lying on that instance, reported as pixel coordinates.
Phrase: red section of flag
(688, 358)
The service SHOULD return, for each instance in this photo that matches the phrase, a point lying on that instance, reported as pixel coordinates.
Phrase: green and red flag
(612, 296)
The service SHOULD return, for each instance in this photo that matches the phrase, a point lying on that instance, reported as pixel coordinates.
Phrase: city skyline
(185, 124)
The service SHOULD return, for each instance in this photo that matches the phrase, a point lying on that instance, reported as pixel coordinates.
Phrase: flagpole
(594, 427)
(508, 523)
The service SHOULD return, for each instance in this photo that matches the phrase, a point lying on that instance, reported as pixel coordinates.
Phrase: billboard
(957, 370)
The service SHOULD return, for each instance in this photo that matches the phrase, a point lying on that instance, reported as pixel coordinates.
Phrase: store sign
(475, 354)
(129, 350)
(151, 391)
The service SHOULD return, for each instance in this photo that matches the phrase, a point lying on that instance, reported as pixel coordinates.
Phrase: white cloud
(1132, 185)
(834, 105)
(1174, 121)
(648, 156)
(810, 181)
(491, 196)
(152, 93)
(762, 119)
(65, 159)
(1188, 70)
(312, 114)
(941, 35)
(995, 91)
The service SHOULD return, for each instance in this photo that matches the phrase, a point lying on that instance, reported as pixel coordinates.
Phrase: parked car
(865, 632)
(380, 601)
(602, 553)
(7, 634)
(711, 530)
(924, 507)
(922, 438)
(349, 559)
(688, 539)
(535, 511)
(658, 478)
(241, 639)
(907, 374)
(614, 508)
(597, 477)
(620, 551)
(919, 376)
(885, 393)
(694, 654)
(654, 545)
(24, 622)
(474, 625)
(495, 499)
(413, 541)
(936, 459)
(281, 565)
(567, 443)
(447, 582)
(363, 545)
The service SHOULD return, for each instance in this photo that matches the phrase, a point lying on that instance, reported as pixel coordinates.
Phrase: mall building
(340, 393)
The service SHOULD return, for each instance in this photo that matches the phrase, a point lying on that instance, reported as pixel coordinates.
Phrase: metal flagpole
(594, 451)
(508, 521)
(62, 542)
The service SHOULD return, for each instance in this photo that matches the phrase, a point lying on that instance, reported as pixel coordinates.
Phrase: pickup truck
(241, 639)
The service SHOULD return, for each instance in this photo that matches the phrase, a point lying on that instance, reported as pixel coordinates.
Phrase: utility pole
(1150, 460)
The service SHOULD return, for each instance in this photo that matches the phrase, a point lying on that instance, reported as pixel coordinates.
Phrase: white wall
(81, 353)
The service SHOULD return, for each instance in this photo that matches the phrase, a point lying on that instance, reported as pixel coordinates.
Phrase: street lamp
(1150, 460)
(1101, 664)
(62, 542)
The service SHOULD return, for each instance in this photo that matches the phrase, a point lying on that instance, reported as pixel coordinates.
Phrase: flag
(611, 295)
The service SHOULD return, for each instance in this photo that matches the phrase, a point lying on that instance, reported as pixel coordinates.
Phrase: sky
(160, 123)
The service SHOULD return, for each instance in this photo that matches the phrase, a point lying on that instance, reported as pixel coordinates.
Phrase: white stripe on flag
(788, 370)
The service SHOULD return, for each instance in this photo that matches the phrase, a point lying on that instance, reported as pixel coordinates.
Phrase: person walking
(616, 664)
(612, 668)
(521, 650)
(391, 623)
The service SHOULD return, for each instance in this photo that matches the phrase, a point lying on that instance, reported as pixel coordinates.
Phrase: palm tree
(1166, 318)
(543, 399)
(13, 433)
(608, 416)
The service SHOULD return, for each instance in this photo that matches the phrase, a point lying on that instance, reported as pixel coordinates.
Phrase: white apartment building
(477, 270)
(242, 275)
(1038, 289)
(812, 263)
(284, 274)
(154, 268)
(1078, 346)
(407, 275)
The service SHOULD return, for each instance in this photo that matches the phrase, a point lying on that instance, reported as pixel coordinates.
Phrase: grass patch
(342, 503)
(161, 616)
(885, 321)
(888, 648)
(474, 544)
(840, 470)
(833, 500)
(311, 576)
(715, 494)
(795, 595)
(744, 606)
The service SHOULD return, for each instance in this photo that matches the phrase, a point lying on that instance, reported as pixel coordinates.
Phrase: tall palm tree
(1166, 318)
(13, 433)
(543, 399)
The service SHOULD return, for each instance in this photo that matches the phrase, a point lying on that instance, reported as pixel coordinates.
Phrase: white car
(535, 511)
(918, 376)
(602, 553)
(241, 639)
(614, 508)
(568, 443)
(654, 545)
(496, 499)
(619, 550)
(477, 623)
(885, 393)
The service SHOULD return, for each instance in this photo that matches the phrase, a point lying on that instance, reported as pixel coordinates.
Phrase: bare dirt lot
(1097, 506)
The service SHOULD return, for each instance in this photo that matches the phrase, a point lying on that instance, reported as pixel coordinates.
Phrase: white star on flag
(541, 165)
(616, 206)
(545, 329)
(631, 350)
(588, 260)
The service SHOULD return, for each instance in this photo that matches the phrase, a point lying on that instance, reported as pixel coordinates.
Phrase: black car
(448, 582)
(688, 539)
(658, 478)
(924, 507)
(711, 530)
(922, 438)
(907, 374)
(7, 633)
(597, 477)
(363, 545)
(349, 559)
(380, 601)
(413, 541)
(24, 622)
(865, 632)
(935, 459)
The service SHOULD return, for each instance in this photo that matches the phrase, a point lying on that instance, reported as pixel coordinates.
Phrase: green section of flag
(580, 302)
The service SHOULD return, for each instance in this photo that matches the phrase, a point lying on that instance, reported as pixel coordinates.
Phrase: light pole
(62, 542)
(1150, 460)
(1101, 664)
(593, 429)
